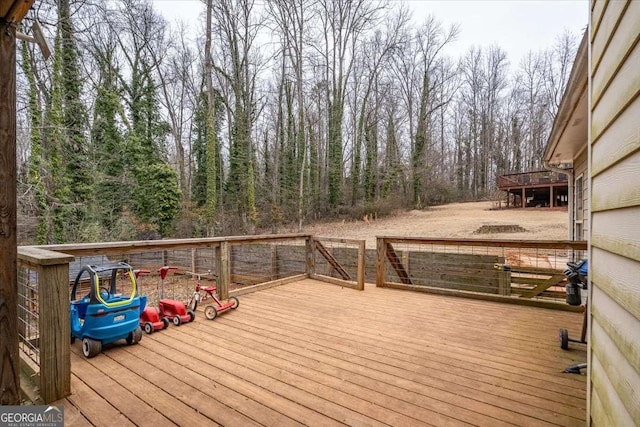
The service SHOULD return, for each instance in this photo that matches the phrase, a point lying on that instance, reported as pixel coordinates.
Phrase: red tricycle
(150, 320)
(211, 311)
(173, 309)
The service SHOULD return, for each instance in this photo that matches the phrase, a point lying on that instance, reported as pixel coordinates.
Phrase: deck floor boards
(312, 353)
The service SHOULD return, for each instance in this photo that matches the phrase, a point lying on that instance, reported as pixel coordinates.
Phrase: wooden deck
(311, 353)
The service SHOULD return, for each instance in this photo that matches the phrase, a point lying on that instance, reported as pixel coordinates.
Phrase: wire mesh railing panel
(338, 260)
(29, 317)
(533, 270)
(256, 263)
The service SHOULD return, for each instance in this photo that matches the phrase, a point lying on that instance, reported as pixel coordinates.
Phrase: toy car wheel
(210, 312)
(134, 336)
(192, 315)
(165, 323)
(177, 320)
(148, 328)
(235, 301)
(91, 347)
(564, 339)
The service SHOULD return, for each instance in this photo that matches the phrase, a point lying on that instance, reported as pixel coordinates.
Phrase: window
(578, 197)
(578, 194)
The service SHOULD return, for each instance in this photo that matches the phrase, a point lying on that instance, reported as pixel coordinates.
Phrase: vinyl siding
(614, 339)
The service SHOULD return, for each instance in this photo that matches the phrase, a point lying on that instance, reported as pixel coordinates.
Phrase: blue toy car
(109, 310)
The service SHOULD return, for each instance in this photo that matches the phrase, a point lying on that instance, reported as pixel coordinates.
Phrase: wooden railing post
(194, 263)
(380, 261)
(310, 256)
(275, 270)
(9, 360)
(224, 270)
(55, 332)
(54, 329)
(361, 265)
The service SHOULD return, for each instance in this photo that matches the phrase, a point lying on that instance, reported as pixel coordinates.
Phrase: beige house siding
(614, 363)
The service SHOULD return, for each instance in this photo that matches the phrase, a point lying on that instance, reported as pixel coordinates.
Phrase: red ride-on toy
(150, 320)
(173, 309)
(211, 311)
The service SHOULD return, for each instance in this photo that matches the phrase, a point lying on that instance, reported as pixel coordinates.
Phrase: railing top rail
(529, 173)
(39, 256)
(537, 177)
(106, 248)
(339, 240)
(540, 244)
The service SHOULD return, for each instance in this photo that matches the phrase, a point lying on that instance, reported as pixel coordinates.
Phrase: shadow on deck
(319, 354)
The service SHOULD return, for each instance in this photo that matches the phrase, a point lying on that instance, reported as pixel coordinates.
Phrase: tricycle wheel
(236, 302)
(73, 339)
(210, 312)
(177, 320)
(192, 315)
(193, 303)
(148, 327)
(564, 339)
(91, 347)
(165, 323)
(134, 336)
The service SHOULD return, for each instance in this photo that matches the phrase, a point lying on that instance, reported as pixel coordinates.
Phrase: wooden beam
(397, 265)
(55, 330)
(266, 285)
(335, 281)
(9, 356)
(380, 262)
(362, 252)
(224, 270)
(14, 11)
(488, 297)
(332, 261)
(576, 245)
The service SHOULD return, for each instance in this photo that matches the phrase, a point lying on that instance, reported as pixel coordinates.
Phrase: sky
(518, 26)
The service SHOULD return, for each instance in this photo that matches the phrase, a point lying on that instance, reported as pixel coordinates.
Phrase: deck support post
(381, 252)
(55, 330)
(224, 270)
(310, 256)
(361, 265)
(9, 357)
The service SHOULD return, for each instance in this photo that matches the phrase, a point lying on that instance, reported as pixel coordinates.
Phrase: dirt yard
(458, 220)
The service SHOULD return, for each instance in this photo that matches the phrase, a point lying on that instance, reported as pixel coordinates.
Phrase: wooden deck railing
(507, 271)
(338, 257)
(43, 319)
(531, 179)
(523, 272)
(237, 264)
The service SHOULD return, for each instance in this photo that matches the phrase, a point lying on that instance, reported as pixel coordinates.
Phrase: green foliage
(199, 152)
(112, 185)
(335, 154)
(35, 174)
(212, 168)
(58, 186)
(157, 197)
(251, 195)
(74, 119)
